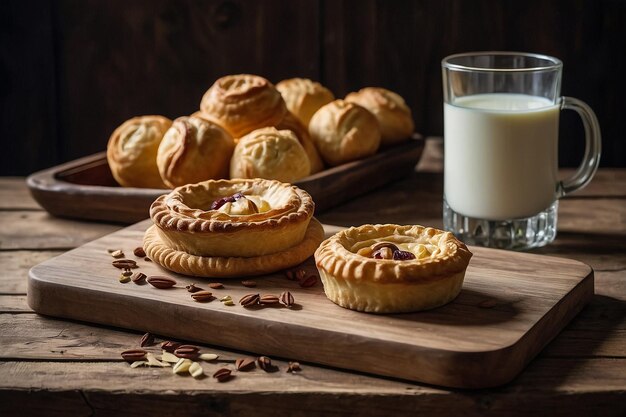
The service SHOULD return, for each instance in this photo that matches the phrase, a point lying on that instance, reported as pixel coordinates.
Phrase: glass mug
(501, 124)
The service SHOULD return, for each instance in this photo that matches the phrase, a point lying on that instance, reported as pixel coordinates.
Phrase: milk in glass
(500, 155)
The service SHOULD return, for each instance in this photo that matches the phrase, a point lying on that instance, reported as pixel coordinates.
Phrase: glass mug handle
(593, 147)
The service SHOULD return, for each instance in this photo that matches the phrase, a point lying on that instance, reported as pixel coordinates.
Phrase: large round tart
(216, 266)
(391, 268)
(233, 218)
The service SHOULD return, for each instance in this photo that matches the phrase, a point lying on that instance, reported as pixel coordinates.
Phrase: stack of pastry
(223, 228)
(247, 128)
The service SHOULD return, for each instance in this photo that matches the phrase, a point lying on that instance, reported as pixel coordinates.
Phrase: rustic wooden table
(58, 367)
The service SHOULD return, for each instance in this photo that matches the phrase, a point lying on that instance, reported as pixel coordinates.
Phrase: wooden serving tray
(86, 189)
(468, 343)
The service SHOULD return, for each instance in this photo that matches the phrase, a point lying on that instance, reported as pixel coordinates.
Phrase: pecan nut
(249, 300)
(202, 296)
(286, 299)
(161, 282)
(269, 299)
(134, 355)
(222, 374)
(244, 364)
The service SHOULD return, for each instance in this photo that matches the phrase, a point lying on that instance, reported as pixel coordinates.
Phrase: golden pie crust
(271, 154)
(215, 266)
(304, 97)
(344, 132)
(393, 115)
(243, 103)
(362, 283)
(193, 150)
(185, 221)
(132, 151)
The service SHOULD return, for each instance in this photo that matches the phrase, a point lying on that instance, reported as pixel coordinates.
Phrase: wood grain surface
(460, 345)
(65, 371)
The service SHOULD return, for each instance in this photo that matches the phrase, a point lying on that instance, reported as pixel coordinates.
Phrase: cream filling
(248, 204)
(423, 247)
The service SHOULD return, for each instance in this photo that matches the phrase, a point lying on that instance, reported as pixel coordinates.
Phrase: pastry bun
(132, 151)
(304, 97)
(290, 122)
(344, 132)
(392, 113)
(194, 150)
(243, 103)
(271, 154)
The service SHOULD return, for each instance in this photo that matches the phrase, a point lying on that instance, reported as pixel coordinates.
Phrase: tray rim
(51, 191)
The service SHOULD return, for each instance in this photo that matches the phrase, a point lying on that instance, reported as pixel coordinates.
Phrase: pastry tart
(391, 268)
(392, 113)
(233, 218)
(132, 151)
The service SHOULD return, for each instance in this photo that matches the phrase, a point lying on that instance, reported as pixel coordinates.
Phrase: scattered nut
(146, 340)
(117, 253)
(124, 264)
(127, 273)
(244, 364)
(269, 299)
(249, 283)
(187, 351)
(249, 300)
(153, 361)
(192, 288)
(182, 366)
(147, 259)
(289, 273)
(265, 363)
(216, 285)
(222, 375)
(293, 367)
(229, 303)
(208, 356)
(169, 357)
(309, 282)
(124, 279)
(138, 363)
(133, 355)
(202, 296)
(170, 346)
(226, 298)
(287, 299)
(161, 282)
(139, 252)
(138, 277)
(300, 274)
(195, 369)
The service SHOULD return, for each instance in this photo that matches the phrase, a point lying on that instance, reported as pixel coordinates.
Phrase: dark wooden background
(72, 70)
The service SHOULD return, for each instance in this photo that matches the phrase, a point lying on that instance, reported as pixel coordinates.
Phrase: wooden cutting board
(512, 304)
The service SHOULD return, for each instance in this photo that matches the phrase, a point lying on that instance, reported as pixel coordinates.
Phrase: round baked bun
(344, 131)
(290, 122)
(243, 103)
(271, 154)
(132, 151)
(304, 97)
(194, 150)
(392, 113)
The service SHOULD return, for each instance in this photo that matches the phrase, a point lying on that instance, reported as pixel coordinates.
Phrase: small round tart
(215, 266)
(391, 268)
(240, 217)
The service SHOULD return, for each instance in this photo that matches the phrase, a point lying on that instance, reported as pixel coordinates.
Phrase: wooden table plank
(15, 266)
(38, 230)
(14, 195)
(14, 304)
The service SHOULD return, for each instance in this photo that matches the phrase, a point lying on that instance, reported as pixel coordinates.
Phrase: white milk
(500, 155)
